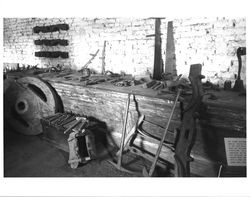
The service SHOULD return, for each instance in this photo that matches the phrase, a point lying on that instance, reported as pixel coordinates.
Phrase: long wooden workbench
(223, 117)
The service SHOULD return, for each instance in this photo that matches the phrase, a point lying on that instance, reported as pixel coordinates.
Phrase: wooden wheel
(26, 101)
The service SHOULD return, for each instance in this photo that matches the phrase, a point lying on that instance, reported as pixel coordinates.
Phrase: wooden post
(170, 65)
(157, 54)
(103, 57)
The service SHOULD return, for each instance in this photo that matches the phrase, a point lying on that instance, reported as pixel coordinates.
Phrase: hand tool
(150, 173)
(90, 60)
(238, 86)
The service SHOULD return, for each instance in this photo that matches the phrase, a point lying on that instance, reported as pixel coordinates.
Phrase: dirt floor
(31, 156)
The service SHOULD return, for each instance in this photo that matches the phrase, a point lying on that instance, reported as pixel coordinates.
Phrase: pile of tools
(155, 85)
(16, 71)
(87, 78)
(17, 67)
(74, 129)
(166, 83)
(127, 82)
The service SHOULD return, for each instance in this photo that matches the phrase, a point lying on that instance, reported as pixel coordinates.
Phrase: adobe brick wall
(209, 41)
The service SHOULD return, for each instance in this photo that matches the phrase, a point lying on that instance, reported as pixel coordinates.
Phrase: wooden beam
(170, 65)
(103, 57)
(158, 69)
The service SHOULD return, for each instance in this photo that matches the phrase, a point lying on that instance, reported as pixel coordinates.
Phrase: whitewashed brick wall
(213, 43)
(209, 41)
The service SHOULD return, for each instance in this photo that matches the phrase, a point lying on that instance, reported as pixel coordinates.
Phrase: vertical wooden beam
(157, 54)
(103, 57)
(170, 65)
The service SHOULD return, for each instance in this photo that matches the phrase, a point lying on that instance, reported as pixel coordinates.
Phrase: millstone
(26, 101)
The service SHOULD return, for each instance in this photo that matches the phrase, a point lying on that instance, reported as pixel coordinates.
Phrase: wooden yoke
(187, 133)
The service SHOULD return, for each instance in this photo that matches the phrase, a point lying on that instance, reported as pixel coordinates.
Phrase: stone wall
(209, 41)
